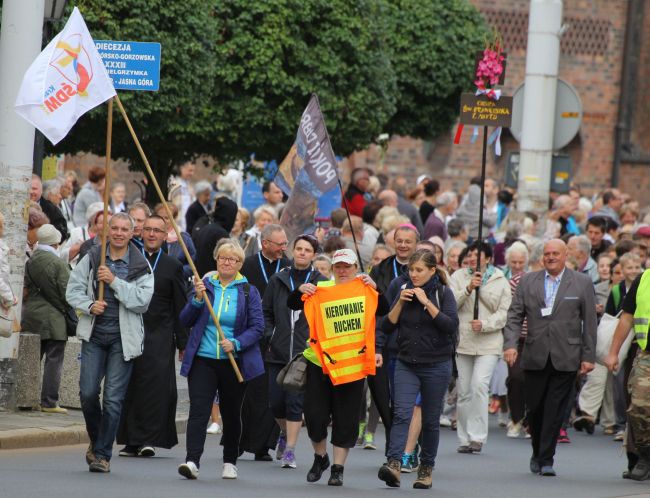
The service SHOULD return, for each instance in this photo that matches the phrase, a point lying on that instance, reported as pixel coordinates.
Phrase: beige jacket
(494, 300)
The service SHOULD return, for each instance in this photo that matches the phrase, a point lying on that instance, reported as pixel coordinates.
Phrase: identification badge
(547, 311)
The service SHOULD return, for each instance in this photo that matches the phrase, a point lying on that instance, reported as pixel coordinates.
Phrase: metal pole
(542, 63)
(20, 44)
(480, 217)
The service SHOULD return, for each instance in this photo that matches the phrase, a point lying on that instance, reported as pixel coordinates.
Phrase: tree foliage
(236, 75)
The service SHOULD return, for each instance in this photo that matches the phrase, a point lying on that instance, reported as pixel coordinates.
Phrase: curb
(41, 437)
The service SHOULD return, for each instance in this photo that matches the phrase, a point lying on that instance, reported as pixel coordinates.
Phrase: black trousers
(341, 404)
(206, 376)
(379, 387)
(547, 396)
(516, 390)
(54, 352)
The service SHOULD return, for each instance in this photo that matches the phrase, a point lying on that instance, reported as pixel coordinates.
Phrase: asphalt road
(590, 467)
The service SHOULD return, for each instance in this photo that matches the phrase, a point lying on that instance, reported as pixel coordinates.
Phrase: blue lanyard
(153, 268)
(291, 280)
(277, 267)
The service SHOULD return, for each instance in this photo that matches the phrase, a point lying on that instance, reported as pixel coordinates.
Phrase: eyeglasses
(230, 261)
(157, 231)
(279, 244)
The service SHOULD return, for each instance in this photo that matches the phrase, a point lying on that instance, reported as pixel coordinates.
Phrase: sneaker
(188, 470)
(229, 471)
(620, 436)
(503, 419)
(263, 457)
(288, 460)
(129, 451)
(90, 454)
(641, 470)
(146, 451)
(424, 479)
(464, 448)
(390, 473)
(321, 463)
(369, 441)
(563, 437)
(475, 446)
(362, 430)
(514, 429)
(281, 446)
(407, 464)
(336, 476)
(100, 465)
(445, 421)
(415, 461)
(213, 428)
(53, 409)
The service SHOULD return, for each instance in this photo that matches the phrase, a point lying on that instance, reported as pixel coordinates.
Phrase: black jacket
(422, 339)
(55, 216)
(222, 221)
(286, 331)
(252, 270)
(194, 212)
(387, 270)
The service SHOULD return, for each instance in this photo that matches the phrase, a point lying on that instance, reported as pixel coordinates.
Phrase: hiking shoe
(289, 460)
(424, 477)
(129, 451)
(100, 465)
(563, 437)
(406, 465)
(321, 463)
(362, 431)
(514, 429)
(146, 451)
(188, 470)
(229, 471)
(336, 476)
(641, 470)
(584, 422)
(281, 446)
(213, 428)
(464, 448)
(390, 473)
(90, 454)
(369, 441)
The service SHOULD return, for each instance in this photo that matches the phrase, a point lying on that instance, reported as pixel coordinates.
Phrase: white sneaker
(445, 421)
(503, 419)
(189, 470)
(229, 471)
(213, 428)
(514, 429)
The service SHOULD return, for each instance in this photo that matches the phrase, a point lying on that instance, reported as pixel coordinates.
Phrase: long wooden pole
(178, 232)
(480, 217)
(107, 190)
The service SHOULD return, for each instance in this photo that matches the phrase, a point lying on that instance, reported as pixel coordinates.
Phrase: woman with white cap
(323, 400)
(46, 279)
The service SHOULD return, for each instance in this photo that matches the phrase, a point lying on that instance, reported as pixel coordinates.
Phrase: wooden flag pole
(107, 189)
(178, 232)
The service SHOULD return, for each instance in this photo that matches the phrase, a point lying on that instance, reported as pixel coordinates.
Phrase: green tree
(433, 44)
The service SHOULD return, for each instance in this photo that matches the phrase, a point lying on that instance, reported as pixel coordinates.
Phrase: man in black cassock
(149, 413)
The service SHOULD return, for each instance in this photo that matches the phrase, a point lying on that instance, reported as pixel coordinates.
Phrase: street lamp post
(53, 12)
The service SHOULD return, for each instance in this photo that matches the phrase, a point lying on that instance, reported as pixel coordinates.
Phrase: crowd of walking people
(396, 297)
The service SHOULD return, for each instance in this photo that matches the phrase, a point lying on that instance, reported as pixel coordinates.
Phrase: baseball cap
(345, 256)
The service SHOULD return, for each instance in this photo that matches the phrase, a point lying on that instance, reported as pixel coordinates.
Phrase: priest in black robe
(149, 412)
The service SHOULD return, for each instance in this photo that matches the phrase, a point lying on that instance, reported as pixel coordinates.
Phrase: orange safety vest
(341, 322)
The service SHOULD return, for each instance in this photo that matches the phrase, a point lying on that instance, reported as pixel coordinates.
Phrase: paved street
(590, 467)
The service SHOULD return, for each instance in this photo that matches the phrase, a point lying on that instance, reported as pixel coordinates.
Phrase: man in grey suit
(560, 307)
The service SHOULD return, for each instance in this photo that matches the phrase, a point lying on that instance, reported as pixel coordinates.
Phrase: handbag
(69, 314)
(605, 334)
(293, 376)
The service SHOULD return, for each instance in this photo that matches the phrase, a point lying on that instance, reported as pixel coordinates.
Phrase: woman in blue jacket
(426, 318)
(238, 307)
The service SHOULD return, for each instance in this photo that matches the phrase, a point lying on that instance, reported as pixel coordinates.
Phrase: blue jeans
(102, 358)
(431, 381)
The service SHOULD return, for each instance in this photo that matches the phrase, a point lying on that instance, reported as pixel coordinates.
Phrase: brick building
(594, 52)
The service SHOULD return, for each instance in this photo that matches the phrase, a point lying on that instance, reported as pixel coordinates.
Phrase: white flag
(65, 81)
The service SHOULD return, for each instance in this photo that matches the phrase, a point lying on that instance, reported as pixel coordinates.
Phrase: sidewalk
(35, 429)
